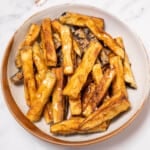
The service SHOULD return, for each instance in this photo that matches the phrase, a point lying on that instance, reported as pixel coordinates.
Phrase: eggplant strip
(30, 38)
(128, 74)
(110, 109)
(57, 97)
(41, 97)
(47, 43)
(79, 78)
(28, 73)
(67, 46)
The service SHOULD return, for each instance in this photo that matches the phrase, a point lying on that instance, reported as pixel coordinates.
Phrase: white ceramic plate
(137, 56)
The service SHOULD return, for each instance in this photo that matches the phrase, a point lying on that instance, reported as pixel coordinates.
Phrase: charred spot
(64, 13)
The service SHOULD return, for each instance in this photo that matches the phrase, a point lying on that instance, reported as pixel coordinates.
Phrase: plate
(14, 95)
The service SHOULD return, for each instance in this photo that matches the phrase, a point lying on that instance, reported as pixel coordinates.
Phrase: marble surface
(135, 13)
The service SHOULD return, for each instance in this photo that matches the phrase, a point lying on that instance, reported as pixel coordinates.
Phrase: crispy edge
(28, 73)
(128, 74)
(30, 37)
(41, 97)
(79, 78)
(47, 43)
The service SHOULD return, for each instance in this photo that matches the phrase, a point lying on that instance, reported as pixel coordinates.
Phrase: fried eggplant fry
(26, 94)
(39, 61)
(48, 116)
(109, 110)
(71, 126)
(47, 43)
(89, 104)
(28, 73)
(57, 97)
(118, 83)
(67, 127)
(75, 104)
(67, 46)
(104, 84)
(128, 74)
(80, 20)
(79, 78)
(41, 97)
(30, 37)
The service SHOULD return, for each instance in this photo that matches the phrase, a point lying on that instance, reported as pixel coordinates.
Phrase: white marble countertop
(136, 13)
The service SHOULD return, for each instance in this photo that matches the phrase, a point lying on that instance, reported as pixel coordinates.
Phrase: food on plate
(75, 105)
(17, 78)
(48, 47)
(79, 78)
(113, 107)
(39, 61)
(57, 96)
(74, 73)
(79, 20)
(67, 48)
(128, 74)
(30, 37)
(71, 126)
(97, 73)
(118, 83)
(28, 73)
(48, 116)
(41, 96)
(76, 48)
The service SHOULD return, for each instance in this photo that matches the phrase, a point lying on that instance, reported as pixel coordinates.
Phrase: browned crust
(47, 43)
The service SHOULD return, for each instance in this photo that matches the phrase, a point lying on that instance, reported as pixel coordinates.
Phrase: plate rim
(30, 127)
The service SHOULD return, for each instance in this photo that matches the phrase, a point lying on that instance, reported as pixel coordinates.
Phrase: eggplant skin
(17, 78)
